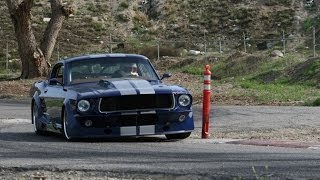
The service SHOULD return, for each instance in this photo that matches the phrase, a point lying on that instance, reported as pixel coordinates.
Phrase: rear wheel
(35, 121)
(178, 136)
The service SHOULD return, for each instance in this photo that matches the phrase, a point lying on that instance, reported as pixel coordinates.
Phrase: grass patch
(315, 102)
(192, 70)
(278, 92)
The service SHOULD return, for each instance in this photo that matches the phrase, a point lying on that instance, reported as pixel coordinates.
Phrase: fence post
(205, 41)
(7, 56)
(220, 48)
(158, 49)
(244, 42)
(110, 42)
(314, 41)
(284, 42)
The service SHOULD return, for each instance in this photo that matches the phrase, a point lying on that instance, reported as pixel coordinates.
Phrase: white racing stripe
(144, 130)
(143, 86)
(124, 87)
(128, 131)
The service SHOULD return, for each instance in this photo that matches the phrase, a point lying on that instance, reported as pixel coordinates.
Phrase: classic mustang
(110, 95)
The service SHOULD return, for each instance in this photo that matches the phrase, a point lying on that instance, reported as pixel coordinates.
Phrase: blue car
(110, 95)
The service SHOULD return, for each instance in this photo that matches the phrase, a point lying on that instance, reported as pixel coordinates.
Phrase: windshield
(93, 70)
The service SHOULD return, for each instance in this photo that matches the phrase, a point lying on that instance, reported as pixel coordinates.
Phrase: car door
(54, 95)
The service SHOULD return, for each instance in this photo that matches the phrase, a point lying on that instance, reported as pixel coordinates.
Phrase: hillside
(178, 26)
(98, 26)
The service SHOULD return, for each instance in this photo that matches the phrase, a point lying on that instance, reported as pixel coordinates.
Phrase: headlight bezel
(184, 100)
(83, 105)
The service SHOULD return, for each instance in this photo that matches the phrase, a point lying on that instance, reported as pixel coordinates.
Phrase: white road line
(15, 121)
(316, 147)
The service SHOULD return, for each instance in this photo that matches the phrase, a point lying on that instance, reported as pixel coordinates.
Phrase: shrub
(124, 5)
(316, 102)
(98, 26)
(141, 19)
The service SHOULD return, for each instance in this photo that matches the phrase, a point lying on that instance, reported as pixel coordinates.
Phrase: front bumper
(130, 124)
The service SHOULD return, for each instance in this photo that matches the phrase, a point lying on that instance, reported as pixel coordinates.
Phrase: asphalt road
(154, 157)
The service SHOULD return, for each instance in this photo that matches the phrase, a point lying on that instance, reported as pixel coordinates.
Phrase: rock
(194, 52)
(95, 19)
(276, 53)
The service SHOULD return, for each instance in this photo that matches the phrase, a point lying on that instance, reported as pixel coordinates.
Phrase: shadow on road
(52, 137)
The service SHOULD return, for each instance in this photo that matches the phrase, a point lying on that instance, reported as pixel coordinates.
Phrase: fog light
(182, 118)
(88, 123)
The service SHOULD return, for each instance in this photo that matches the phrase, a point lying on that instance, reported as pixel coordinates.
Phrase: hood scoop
(128, 86)
(105, 83)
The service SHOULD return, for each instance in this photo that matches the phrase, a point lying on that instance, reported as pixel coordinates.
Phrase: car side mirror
(55, 81)
(166, 75)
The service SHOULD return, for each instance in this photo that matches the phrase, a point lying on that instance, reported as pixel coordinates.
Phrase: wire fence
(74, 43)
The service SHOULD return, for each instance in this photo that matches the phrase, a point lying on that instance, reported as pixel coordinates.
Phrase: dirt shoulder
(222, 93)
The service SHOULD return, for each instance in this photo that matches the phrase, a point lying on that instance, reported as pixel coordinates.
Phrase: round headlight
(184, 100)
(83, 105)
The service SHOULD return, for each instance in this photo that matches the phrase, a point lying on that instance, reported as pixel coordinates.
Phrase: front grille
(136, 102)
(120, 121)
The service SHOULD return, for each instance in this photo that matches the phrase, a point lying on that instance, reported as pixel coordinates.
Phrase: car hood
(120, 87)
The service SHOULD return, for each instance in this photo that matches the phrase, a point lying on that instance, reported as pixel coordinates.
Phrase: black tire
(65, 126)
(35, 121)
(178, 136)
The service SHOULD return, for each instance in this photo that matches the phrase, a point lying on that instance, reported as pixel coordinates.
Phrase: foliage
(268, 82)
(315, 102)
(92, 7)
(313, 69)
(193, 70)
(278, 2)
(123, 5)
(152, 51)
(311, 22)
(278, 91)
(98, 26)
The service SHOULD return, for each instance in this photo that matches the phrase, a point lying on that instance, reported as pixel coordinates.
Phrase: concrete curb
(278, 143)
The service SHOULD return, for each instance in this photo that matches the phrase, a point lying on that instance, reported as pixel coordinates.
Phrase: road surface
(23, 153)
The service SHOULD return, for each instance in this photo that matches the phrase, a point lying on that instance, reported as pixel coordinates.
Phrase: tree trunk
(59, 13)
(32, 58)
(35, 59)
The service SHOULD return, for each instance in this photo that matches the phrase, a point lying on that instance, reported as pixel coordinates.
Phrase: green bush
(193, 70)
(98, 26)
(316, 102)
(93, 8)
(124, 5)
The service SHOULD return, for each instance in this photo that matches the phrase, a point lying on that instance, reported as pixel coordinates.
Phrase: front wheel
(178, 136)
(65, 126)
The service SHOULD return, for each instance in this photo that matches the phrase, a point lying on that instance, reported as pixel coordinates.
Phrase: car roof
(94, 56)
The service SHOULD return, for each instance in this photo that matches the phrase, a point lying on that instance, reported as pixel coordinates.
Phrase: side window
(146, 71)
(57, 73)
(60, 73)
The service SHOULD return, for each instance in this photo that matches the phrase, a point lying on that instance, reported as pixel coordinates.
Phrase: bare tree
(35, 57)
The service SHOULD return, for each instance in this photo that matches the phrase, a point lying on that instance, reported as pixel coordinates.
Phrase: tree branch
(13, 5)
(58, 15)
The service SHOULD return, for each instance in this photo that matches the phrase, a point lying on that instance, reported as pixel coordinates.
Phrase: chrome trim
(148, 112)
(129, 113)
(175, 132)
(136, 110)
